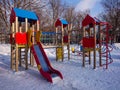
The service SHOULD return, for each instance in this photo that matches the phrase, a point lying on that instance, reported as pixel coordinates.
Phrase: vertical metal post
(26, 47)
(94, 62)
(100, 42)
(83, 64)
(107, 39)
(16, 27)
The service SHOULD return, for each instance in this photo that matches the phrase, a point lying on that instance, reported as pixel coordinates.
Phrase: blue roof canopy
(22, 14)
(63, 21)
(25, 14)
(60, 22)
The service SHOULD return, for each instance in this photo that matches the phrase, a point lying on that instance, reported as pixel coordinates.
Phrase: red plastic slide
(43, 63)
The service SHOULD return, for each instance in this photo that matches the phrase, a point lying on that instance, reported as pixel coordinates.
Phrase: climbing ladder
(105, 42)
(23, 55)
(18, 56)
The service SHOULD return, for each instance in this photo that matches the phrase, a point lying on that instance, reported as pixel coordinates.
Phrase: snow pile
(75, 76)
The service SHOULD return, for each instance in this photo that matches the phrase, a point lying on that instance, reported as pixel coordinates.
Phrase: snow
(75, 77)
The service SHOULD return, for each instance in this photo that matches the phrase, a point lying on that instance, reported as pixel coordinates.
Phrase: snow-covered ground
(75, 77)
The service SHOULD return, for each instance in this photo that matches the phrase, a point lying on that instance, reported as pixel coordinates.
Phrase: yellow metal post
(38, 25)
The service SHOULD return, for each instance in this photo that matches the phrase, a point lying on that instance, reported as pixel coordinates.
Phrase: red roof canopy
(61, 22)
(88, 20)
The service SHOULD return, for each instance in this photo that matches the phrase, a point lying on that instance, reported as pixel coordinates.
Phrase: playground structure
(48, 38)
(91, 39)
(58, 39)
(62, 38)
(25, 35)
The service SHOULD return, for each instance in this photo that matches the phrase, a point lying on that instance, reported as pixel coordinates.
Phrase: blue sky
(82, 5)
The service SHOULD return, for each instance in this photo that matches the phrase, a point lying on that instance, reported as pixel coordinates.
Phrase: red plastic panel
(65, 39)
(21, 38)
(89, 42)
(12, 16)
(58, 23)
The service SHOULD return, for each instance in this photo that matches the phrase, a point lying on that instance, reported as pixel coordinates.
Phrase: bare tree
(54, 10)
(7, 5)
(111, 14)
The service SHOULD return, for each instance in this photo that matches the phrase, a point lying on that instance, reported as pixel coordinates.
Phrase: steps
(18, 56)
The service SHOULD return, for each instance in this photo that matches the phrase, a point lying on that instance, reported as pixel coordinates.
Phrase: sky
(81, 5)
